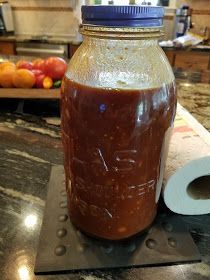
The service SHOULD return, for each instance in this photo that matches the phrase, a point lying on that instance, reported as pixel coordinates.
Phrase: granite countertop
(30, 145)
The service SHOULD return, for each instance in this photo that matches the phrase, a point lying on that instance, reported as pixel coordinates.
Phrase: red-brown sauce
(112, 148)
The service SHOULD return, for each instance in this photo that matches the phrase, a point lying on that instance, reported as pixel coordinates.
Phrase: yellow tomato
(47, 82)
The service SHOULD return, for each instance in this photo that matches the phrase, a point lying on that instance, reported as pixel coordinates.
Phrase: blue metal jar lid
(124, 16)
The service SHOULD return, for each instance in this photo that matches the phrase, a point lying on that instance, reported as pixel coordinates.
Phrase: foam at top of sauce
(134, 90)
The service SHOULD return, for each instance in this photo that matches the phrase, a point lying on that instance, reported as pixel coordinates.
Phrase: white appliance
(6, 19)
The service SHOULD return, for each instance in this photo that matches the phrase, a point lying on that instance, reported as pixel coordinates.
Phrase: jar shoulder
(120, 65)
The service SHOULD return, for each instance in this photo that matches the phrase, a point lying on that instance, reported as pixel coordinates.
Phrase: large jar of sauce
(118, 108)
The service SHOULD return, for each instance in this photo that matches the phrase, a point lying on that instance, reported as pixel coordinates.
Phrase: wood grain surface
(30, 93)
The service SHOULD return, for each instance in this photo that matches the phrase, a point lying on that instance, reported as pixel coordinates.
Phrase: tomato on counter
(47, 82)
(37, 72)
(40, 73)
(24, 64)
(24, 78)
(55, 67)
(6, 64)
(38, 64)
(6, 76)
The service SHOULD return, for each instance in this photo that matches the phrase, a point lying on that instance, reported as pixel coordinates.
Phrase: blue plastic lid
(133, 15)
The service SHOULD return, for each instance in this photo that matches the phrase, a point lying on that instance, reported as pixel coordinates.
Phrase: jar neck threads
(130, 33)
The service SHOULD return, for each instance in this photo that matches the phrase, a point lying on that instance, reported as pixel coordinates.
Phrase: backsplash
(62, 17)
(46, 17)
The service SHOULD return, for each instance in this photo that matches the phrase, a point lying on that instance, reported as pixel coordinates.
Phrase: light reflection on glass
(186, 84)
(30, 221)
(23, 273)
(140, 112)
(102, 108)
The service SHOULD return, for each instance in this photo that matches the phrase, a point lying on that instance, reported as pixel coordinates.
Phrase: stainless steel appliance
(41, 49)
(6, 19)
(183, 20)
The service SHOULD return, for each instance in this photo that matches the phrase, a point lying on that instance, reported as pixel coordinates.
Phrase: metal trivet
(64, 248)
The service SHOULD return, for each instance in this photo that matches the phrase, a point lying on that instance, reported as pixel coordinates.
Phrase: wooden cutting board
(32, 93)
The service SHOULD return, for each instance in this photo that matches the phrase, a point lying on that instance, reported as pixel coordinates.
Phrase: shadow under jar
(118, 108)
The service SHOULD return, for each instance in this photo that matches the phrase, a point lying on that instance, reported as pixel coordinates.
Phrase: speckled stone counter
(196, 98)
(29, 146)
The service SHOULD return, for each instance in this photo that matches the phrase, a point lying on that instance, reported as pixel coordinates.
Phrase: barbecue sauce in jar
(115, 137)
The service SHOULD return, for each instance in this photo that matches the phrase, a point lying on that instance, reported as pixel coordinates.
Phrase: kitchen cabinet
(189, 59)
(171, 56)
(7, 48)
(72, 49)
(192, 60)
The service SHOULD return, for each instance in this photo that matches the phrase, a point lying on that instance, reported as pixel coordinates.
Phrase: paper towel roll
(188, 159)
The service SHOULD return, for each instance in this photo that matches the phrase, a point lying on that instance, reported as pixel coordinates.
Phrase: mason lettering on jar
(118, 108)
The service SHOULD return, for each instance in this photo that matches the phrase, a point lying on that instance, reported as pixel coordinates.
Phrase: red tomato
(24, 64)
(39, 64)
(39, 75)
(37, 72)
(39, 81)
(55, 67)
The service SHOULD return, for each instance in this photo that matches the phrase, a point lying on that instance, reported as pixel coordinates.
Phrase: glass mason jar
(118, 108)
